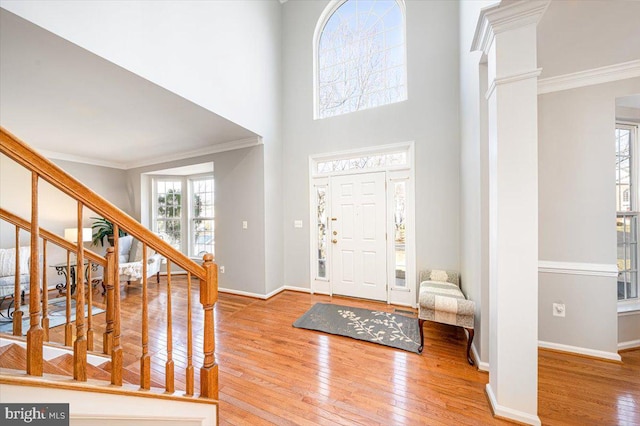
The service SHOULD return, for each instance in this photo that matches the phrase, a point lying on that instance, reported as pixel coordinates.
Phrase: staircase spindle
(17, 291)
(208, 297)
(35, 334)
(45, 294)
(89, 307)
(189, 373)
(116, 354)
(68, 329)
(80, 344)
(145, 359)
(169, 367)
(107, 276)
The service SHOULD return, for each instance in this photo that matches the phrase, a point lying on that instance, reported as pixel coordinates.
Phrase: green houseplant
(102, 228)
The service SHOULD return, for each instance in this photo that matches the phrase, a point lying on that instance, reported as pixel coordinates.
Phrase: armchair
(130, 260)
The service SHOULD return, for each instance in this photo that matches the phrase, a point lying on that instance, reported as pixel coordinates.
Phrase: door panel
(358, 232)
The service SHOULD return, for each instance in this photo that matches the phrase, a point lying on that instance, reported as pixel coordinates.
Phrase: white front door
(358, 235)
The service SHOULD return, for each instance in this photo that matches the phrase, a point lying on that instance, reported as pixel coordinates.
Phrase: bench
(441, 300)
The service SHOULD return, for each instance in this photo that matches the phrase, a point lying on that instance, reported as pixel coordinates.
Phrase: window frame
(186, 220)
(631, 304)
(327, 13)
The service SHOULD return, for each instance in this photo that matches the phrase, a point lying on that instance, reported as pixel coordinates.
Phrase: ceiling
(71, 104)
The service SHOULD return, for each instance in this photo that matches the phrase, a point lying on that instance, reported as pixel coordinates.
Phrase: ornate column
(506, 33)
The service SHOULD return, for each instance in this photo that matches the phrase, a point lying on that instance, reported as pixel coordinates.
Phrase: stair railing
(42, 168)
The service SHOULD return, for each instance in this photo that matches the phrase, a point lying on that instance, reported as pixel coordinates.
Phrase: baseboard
(264, 296)
(509, 413)
(482, 366)
(629, 345)
(593, 353)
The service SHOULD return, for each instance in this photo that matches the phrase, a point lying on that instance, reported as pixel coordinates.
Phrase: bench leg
(420, 324)
(469, 358)
(158, 277)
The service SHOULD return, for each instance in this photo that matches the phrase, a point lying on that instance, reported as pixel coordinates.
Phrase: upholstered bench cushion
(444, 302)
(7, 284)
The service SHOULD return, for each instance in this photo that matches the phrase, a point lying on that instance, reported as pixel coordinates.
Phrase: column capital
(505, 16)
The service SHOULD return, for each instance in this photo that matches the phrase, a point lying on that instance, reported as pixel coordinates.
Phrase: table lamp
(71, 234)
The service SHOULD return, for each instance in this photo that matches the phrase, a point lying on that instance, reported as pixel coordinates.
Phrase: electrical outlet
(222, 269)
(558, 310)
(245, 224)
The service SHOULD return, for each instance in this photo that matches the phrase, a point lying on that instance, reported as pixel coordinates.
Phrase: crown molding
(504, 17)
(590, 77)
(213, 149)
(511, 79)
(55, 155)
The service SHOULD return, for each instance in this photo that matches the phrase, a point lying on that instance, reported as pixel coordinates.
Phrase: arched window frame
(322, 22)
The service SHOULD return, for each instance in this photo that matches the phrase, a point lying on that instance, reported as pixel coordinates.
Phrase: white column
(507, 35)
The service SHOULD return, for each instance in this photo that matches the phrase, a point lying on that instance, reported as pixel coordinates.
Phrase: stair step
(65, 362)
(129, 376)
(14, 356)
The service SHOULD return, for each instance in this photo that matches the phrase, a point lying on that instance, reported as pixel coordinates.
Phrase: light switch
(297, 224)
(245, 224)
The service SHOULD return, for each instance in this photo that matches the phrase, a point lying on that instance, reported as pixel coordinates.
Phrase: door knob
(334, 241)
(335, 232)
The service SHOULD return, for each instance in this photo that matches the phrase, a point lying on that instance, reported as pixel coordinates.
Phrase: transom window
(360, 56)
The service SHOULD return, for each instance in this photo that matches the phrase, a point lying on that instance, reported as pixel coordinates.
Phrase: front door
(358, 235)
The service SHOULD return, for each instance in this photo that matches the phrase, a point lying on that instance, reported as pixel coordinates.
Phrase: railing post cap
(208, 257)
(110, 250)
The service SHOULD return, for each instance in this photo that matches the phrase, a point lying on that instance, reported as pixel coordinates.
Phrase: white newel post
(507, 36)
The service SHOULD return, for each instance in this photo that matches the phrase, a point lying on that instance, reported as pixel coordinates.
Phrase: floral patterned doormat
(385, 328)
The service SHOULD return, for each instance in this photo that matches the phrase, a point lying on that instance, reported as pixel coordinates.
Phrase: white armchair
(130, 260)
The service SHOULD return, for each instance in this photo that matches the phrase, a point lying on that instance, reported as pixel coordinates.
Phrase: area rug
(57, 315)
(385, 328)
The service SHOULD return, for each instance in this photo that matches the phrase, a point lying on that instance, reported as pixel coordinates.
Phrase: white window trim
(322, 21)
(186, 219)
(629, 305)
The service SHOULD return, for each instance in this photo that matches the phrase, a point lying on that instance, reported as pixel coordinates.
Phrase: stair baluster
(17, 291)
(80, 344)
(169, 367)
(35, 334)
(145, 359)
(107, 337)
(68, 329)
(45, 294)
(189, 373)
(116, 354)
(89, 306)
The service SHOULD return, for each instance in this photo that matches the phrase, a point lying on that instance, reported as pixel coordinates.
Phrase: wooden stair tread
(14, 356)
(65, 362)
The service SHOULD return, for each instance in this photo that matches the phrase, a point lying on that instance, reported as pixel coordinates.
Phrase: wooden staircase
(22, 362)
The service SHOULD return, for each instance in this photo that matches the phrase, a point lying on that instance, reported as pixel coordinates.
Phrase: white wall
(239, 190)
(474, 176)
(222, 55)
(57, 211)
(577, 213)
(429, 117)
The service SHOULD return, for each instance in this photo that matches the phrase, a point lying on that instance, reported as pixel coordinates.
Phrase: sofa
(7, 277)
(441, 300)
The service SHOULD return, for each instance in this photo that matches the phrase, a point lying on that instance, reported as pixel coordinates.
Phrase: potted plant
(102, 228)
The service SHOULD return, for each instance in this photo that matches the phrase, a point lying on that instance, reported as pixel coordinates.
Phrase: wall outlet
(558, 310)
(222, 269)
(245, 224)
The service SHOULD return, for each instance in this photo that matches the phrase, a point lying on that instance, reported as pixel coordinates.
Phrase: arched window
(360, 56)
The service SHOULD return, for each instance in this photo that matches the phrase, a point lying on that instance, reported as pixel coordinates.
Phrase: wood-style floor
(273, 373)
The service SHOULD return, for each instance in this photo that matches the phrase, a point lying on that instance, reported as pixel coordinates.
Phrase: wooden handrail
(51, 237)
(23, 154)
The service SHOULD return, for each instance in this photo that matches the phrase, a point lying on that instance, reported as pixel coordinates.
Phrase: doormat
(384, 328)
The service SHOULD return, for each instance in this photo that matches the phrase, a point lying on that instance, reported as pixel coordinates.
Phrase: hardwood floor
(273, 373)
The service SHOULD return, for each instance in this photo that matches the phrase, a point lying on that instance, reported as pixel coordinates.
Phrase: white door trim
(394, 173)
